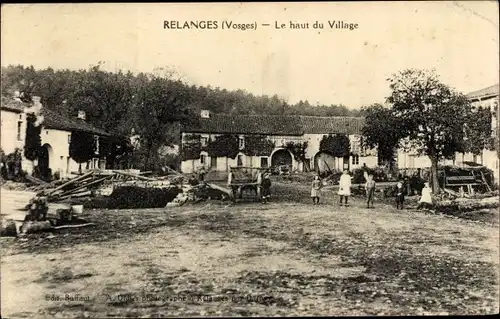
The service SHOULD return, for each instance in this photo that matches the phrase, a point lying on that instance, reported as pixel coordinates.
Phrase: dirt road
(252, 259)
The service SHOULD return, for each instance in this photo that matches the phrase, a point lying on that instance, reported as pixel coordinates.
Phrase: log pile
(98, 182)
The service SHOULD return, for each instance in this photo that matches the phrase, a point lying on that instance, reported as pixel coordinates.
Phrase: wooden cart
(243, 179)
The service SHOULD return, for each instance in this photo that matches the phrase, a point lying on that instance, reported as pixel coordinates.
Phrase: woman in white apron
(345, 187)
(426, 198)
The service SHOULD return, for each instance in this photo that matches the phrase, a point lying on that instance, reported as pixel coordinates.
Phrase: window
(240, 160)
(264, 162)
(355, 160)
(242, 143)
(69, 138)
(19, 126)
(204, 141)
(213, 161)
(203, 159)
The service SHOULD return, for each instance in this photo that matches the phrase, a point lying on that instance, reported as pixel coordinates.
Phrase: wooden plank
(73, 226)
(451, 192)
(36, 180)
(173, 170)
(136, 176)
(71, 182)
(484, 180)
(222, 189)
(100, 180)
(73, 195)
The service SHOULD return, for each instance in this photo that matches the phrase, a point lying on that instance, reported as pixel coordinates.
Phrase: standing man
(266, 188)
(400, 196)
(370, 190)
(345, 187)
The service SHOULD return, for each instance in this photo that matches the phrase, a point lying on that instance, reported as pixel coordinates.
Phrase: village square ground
(284, 258)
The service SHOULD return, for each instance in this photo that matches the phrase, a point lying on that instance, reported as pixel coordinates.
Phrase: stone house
(56, 130)
(279, 131)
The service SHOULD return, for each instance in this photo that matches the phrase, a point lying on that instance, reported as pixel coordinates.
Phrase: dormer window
(205, 114)
(241, 142)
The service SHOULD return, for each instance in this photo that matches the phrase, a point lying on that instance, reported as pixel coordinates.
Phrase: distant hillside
(111, 99)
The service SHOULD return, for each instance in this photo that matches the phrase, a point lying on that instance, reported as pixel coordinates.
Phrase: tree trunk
(434, 175)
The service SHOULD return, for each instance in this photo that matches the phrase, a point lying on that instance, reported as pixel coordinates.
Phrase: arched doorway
(44, 158)
(281, 157)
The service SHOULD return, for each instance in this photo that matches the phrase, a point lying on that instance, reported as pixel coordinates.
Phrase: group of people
(370, 186)
(344, 189)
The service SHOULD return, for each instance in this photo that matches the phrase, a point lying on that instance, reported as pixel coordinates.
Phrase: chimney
(205, 114)
(36, 99)
(81, 115)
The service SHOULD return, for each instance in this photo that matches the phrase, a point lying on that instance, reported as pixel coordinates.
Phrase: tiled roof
(326, 125)
(486, 92)
(54, 120)
(13, 105)
(274, 124)
(245, 124)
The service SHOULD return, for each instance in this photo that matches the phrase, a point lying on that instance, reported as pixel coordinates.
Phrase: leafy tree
(337, 145)
(13, 162)
(226, 145)
(381, 130)
(160, 104)
(122, 152)
(258, 145)
(82, 147)
(33, 140)
(191, 147)
(433, 115)
(478, 131)
(113, 148)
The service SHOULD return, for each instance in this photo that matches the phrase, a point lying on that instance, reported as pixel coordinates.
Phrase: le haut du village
(231, 25)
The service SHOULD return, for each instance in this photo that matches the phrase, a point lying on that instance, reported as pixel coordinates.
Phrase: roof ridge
(287, 115)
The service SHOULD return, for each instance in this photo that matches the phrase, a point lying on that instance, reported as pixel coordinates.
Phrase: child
(426, 199)
(266, 188)
(400, 197)
(370, 190)
(345, 187)
(316, 190)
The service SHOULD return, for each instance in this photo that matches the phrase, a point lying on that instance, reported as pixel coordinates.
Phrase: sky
(326, 66)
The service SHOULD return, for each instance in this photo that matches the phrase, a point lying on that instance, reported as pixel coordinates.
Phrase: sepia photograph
(249, 159)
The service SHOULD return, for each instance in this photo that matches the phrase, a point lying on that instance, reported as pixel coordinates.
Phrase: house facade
(277, 133)
(487, 98)
(56, 130)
